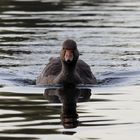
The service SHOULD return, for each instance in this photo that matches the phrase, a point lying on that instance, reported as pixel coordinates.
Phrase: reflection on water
(107, 33)
(29, 115)
(20, 114)
(69, 97)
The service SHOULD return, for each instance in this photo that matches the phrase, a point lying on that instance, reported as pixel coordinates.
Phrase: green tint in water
(21, 110)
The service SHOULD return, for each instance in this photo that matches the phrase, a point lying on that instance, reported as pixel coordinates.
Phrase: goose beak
(68, 56)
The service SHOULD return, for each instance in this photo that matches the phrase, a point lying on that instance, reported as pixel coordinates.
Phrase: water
(107, 33)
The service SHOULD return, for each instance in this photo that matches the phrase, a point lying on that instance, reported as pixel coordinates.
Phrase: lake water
(107, 33)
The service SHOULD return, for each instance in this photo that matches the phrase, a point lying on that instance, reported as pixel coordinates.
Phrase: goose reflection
(68, 96)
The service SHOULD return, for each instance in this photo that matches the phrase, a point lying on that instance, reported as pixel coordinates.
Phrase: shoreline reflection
(68, 96)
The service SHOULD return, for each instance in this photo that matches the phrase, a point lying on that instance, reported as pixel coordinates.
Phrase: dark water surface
(107, 33)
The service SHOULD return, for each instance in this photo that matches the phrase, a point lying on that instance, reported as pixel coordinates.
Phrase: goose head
(69, 52)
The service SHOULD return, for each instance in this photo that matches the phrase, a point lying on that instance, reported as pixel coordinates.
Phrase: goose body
(67, 69)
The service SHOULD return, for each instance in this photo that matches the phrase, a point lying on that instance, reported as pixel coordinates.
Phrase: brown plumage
(67, 69)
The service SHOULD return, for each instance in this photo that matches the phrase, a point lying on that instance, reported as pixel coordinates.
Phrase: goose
(67, 69)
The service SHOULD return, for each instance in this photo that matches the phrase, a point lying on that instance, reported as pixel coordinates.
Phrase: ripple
(107, 34)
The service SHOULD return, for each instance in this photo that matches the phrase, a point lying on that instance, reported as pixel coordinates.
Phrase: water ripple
(107, 33)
